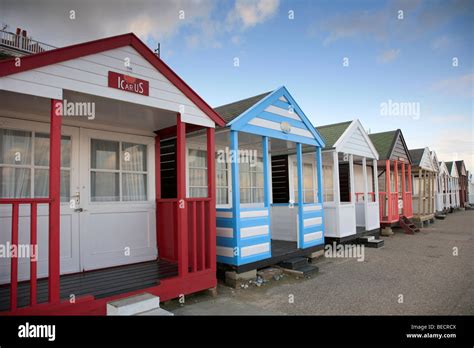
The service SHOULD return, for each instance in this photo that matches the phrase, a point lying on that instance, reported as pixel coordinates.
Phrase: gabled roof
(349, 137)
(332, 132)
(384, 142)
(232, 110)
(453, 171)
(8, 67)
(416, 156)
(275, 114)
(460, 167)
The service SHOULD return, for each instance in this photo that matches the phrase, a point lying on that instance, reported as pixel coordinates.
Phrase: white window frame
(44, 128)
(194, 146)
(86, 153)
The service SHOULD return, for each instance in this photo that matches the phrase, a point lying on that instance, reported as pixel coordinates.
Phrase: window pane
(65, 186)
(104, 154)
(42, 150)
(15, 147)
(221, 196)
(42, 184)
(134, 187)
(245, 195)
(308, 179)
(221, 178)
(15, 182)
(309, 196)
(197, 158)
(198, 192)
(134, 157)
(197, 177)
(104, 187)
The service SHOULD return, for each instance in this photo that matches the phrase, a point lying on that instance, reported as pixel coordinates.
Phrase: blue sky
(402, 60)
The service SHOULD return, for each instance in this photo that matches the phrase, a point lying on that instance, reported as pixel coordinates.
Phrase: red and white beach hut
(82, 174)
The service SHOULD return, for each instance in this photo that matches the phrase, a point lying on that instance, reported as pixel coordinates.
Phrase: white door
(117, 199)
(24, 173)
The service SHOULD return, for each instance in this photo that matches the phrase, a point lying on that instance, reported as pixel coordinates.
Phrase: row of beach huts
(118, 179)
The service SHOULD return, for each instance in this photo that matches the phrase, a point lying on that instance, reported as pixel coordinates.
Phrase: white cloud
(462, 86)
(248, 13)
(388, 56)
(48, 20)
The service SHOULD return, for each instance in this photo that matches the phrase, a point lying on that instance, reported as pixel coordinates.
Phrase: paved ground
(422, 268)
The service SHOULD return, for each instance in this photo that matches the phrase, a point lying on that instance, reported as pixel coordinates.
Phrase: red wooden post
(157, 185)
(157, 167)
(395, 180)
(211, 191)
(388, 190)
(194, 247)
(181, 214)
(410, 183)
(202, 236)
(14, 258)
(404, 189)
(54, 206)
(33, 263)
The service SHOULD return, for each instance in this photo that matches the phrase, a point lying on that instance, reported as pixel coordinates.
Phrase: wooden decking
(99, 283)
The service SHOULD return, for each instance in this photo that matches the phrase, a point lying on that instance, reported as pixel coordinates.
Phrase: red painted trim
(211, 184)
(181, 213)
(33, 263)
(170, 132)
(14, 260)
(157, 185)
(54, 206)
(87, 305)
(388, 190)
(7, 67)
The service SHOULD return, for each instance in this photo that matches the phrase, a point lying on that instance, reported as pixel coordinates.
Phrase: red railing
(408, 205)
(198, 234)
(388, 210)
(199, 245)
(15, 204)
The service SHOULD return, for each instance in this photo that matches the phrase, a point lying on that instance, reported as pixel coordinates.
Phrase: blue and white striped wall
(249, 242)
(243, 234)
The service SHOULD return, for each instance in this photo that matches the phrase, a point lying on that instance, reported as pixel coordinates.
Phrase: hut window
(24, 164)
(222, 183)
(251, 182)
(328, 183)
(118, 171)
(197, 162)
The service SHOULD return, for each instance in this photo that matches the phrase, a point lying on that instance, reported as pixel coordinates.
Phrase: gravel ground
(420, 267)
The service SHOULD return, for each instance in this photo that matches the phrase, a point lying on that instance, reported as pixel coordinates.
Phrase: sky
(340, 60)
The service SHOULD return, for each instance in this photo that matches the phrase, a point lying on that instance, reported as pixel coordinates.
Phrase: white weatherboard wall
(356, 144)
(89, 74)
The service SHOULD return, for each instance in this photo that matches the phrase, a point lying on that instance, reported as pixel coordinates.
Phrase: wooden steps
(408, 226)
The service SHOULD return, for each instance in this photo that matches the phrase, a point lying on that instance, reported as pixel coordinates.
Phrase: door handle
(78, 210)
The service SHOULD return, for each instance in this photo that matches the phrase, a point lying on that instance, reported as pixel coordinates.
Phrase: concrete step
(294, 263)
(133, 305)
(366, 238)
(440, 216)
(375, 243)
(157, 312)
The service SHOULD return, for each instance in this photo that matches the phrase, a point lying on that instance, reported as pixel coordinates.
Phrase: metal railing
(23, 43)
